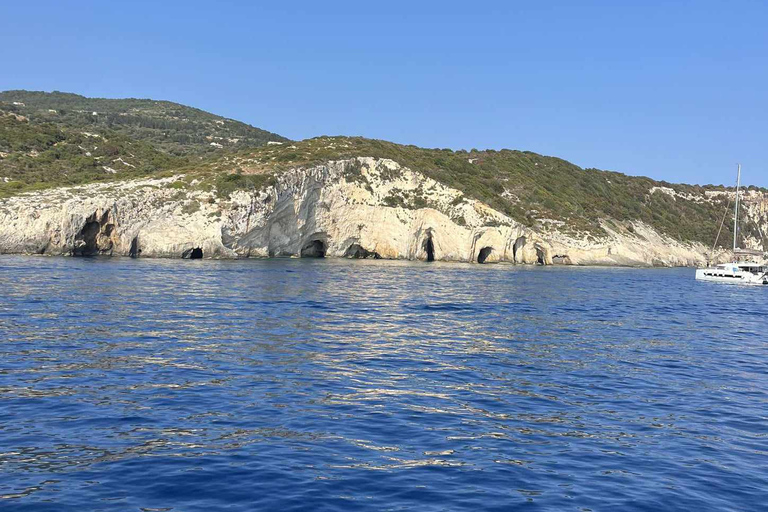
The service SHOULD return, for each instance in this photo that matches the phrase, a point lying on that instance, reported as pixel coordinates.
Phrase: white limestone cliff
(360, 207)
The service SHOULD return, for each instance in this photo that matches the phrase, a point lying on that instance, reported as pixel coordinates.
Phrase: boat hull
(732, 275)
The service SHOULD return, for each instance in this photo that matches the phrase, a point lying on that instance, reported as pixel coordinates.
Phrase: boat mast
(736, 212)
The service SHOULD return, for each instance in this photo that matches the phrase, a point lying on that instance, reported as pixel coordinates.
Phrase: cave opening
(483, 254)
(88, 235)
(134, 251)
(540, 256)
(193, 254)
(357, 251)
(429, 248)
(519, 244)
(95, 237)
(314, 249)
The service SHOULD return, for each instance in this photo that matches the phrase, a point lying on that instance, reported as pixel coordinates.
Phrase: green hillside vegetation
(34, 156)
(169, 127)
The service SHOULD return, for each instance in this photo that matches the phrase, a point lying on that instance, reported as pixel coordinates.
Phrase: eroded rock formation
(97, 236)
(356, 208)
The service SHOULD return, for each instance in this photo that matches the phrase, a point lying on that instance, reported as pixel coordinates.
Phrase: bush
(226, 184)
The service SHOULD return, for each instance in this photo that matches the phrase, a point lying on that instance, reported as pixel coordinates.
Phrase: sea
(345, 385)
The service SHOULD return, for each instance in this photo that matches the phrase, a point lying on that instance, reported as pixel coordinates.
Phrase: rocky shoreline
(355, 208)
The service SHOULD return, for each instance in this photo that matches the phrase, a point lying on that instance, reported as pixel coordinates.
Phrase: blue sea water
(148, 385)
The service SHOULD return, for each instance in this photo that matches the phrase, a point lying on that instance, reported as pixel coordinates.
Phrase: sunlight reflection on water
(294, 384)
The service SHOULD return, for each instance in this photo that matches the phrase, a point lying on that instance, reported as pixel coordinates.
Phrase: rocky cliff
(357, 208)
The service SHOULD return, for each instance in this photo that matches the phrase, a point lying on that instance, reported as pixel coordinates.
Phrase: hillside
(50, 140)
(535, 190)
(34, 156)
(169, 127)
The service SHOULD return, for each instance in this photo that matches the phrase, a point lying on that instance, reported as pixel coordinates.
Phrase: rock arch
(483, 254)
(314, 249)
(96, 237)
(195, 253)
(517, 248)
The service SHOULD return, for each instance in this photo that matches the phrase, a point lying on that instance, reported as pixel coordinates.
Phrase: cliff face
(358, 208)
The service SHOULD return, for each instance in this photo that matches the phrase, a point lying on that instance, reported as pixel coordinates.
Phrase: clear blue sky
(676, 90)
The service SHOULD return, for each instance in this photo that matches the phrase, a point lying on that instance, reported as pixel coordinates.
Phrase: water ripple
(373, 385)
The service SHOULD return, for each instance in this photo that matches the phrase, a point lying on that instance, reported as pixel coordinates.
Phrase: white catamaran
(741, 272)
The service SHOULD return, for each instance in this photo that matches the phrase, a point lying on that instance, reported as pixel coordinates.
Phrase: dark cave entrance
(519, 244)
(483, 254)
(429, 248)
(95, 237)
(357, 251)
(88, 235)
(134, 251)
(193, 254)
(314, 249)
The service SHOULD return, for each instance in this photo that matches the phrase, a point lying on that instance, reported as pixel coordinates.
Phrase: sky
(675, 90)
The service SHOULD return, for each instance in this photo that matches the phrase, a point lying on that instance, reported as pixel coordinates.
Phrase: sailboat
(741, 272)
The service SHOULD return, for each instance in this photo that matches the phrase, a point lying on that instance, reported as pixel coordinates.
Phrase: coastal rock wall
(356, 208)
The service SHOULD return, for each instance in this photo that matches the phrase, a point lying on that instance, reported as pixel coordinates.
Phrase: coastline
(314, 212)
(433, 264)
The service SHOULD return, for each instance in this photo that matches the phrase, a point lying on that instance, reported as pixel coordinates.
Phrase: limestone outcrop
(355, 208)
